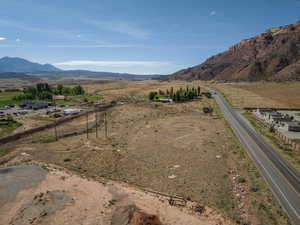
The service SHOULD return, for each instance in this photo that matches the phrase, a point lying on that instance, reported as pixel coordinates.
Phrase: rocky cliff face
(273, 55)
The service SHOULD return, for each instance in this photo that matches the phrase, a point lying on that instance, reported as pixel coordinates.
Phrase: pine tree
(171, 92)
(198, 91)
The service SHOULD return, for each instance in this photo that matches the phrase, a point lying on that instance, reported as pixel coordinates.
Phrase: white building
(71, 111)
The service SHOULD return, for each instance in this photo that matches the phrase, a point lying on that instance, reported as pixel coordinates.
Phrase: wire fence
(84, 122)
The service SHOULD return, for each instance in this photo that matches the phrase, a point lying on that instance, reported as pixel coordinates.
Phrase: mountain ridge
(20, 65)
(273, 55)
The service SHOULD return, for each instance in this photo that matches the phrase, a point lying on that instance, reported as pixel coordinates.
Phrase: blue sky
(134, 36)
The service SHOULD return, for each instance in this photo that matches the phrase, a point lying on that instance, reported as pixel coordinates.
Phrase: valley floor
(170, 148)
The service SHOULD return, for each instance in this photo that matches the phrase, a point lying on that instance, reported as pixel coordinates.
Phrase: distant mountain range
(272, 56)
(14, 67)
(19, 65)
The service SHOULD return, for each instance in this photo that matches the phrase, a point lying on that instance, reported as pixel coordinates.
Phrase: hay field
(262, 94)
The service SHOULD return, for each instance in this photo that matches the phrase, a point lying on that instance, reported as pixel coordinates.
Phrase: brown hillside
(273, 55)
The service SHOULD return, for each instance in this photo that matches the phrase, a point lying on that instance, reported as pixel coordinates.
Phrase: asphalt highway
(283, 179)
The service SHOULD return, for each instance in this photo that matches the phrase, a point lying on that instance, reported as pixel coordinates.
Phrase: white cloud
(18, 40)
(112, 63)
(2, 38)
(213, 13)
(121, 27)
(92, 46)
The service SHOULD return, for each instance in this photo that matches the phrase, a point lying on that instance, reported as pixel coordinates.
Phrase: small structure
(5, 107)
(292, 126)
(59, 97)
(165, 100)
(263, 111)
(71, 111)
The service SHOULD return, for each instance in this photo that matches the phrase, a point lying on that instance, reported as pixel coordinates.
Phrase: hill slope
(14, 64)
(273, 55)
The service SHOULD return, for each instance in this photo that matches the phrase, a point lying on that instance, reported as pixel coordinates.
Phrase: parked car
(5, 107)
(22, 111)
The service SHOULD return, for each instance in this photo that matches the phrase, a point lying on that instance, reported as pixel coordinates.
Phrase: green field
(88, 98)
(6, 98)
(82, 98)
(64, 102)
(7, 126)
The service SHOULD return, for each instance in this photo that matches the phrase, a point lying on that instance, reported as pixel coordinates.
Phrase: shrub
(254, 189)
(152, 95)
(207, 94)
(241, 180)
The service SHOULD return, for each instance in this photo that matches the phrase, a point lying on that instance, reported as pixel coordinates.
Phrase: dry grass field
(262, 94)
(172, 148)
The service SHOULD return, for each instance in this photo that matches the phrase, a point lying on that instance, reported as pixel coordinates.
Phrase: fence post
(105, 124)
(55, 124)
(96, 118)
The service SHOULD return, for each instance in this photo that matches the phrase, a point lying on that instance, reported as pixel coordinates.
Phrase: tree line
(179, 95)
(44, 91)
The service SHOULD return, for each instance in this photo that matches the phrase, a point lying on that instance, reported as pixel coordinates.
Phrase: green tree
(174, 97)
(178, 96)
(43, 87)
(171, 92)
(60, 88)
(152, 95)
(67, 90)
(161, 92)
(78, 90)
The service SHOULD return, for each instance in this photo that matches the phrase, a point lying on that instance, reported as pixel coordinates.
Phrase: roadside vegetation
(259, 198)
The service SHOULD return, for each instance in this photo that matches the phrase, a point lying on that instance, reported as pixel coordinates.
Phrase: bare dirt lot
(56, 197)
(172, 148)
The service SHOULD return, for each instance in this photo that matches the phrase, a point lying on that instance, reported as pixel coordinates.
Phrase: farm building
(59, 97)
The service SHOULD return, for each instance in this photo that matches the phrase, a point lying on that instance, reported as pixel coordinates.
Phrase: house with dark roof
(292, 126)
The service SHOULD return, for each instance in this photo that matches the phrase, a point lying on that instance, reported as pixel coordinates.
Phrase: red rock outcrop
(273, 55)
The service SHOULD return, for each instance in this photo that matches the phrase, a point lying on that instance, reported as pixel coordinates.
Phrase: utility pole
(96, 118)
(55, 129)
(87, 125)
(105, 124)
